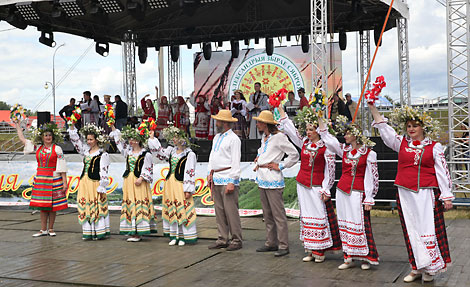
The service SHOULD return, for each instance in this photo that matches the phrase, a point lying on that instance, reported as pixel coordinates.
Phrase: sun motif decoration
(272, 78)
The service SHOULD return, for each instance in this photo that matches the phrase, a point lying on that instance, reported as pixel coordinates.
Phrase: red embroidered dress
(354, 170)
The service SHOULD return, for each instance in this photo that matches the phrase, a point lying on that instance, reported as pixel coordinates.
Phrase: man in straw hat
(274, 145)
(224, 181)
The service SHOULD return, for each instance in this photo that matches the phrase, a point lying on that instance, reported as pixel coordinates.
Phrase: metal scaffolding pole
(174, 73)
(458, 65)
(364, 65)
(129, 75)
(404, 61)
(318, 45)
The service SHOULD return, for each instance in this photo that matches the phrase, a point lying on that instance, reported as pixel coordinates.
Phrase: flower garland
(373, 94)
(51, 127)
(170, 133)
(343, 126)
(109, 115)
(308, 116)
(17, 113)
(76, 115)
(98, 132)
(400, 116)
(129, 133)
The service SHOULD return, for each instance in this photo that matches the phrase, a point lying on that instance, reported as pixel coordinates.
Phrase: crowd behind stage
(177, 111)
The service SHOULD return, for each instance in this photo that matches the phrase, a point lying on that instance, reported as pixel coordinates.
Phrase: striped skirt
(47, 192)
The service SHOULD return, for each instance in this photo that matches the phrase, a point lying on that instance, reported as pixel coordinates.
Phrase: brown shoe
(217, 246)
(233, 247)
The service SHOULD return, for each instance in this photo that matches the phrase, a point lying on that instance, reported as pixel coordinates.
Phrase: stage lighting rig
(235, 47)
(142, 52)
(207, 50)
(136, 9)
(28, 10)
(189, 6)
(111, 6)
(102, 48)
(174, 53)
(72, 7)
(56, 10)
(158, 4)
(190, 46)
(47, 38)
(343, 40)
(305, 43)
(256, 40)
(14, 19)
(209, 1)
(269, 46)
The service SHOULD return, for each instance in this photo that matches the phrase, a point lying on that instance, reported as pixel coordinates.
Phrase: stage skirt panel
(93, 213)
(137, 214)
(178, 214)
(355, 228)
(423, 226)
(318, 226)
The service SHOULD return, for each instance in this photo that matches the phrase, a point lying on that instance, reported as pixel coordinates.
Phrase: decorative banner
(287, 68)
(15, 188)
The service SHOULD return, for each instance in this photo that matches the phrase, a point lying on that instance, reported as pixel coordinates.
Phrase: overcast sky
(25, 64)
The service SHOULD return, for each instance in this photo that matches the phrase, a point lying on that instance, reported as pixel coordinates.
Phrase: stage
(66, 260)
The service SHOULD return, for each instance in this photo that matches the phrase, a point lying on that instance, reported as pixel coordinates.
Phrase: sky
(26, 64)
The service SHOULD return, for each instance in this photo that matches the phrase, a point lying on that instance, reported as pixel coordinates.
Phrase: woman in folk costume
(164, 114)
(178, 212)
(137, 214)
(49, 192)
(424, 188)
(147, 107)
(216, 106)
(318, 226)
(202, 116)
(92, 201)
(181, 114)
(355, 192)
(239, 112)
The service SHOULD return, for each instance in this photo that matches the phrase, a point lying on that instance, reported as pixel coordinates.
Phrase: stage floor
(66, 260)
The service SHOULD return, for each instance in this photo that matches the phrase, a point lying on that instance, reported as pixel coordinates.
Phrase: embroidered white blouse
(126, 150)
(61, 166)
(273, 148)
(394, 140)
(226, 152)
(189, 179)
(329, 173)
(84, 150)
(371, 178)
(242, 111)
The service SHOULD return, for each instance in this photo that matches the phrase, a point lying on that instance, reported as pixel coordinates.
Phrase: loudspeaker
(304, 41)
(343, 40)
(43, 117)
(269, 46)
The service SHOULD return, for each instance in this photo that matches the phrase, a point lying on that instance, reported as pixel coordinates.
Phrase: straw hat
(107, 96)
(225, 116)
(266, 117)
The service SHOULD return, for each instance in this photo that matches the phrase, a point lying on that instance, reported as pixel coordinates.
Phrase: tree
(4, 106)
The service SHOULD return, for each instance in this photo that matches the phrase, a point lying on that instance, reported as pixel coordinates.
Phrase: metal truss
(364, 65)
(404, 61)
(129, 73)
(458, 65)
(318, 45)
(174, 75)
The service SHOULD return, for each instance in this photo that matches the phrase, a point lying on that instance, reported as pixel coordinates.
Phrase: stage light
(220, 43)
(189, 6)
(175, 53)
(256, 40)
(343, 40)
(158, 4)
(56, 11)
(190, 46)
(72, 7)
(142, 51)
(209, 1)
(207, 50)
(95, 8)
(377, 31)
(269, 46)
(47, 38)
(15, 20)
(235, 47)
(288, 37)
(28, 10)
(136, 9)
(111, 6)
(305, 43)
(102, 48)
(247, 42)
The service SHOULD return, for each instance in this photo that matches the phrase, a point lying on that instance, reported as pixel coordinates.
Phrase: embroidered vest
(312, 166)
(354, 171)
(416, 167)
(46, 160)
(179, 169)
(138, 165)
(93, 169)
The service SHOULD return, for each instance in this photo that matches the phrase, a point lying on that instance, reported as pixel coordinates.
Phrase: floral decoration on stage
(372, 95)
(109, 115)
(75, 116)
(400, 116)
(98, 132)
(342, 126)
(51, 127)
(17, 114)
(318, 101)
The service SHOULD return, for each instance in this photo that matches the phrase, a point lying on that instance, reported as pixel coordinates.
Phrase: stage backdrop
(16, 182)
(287, 68)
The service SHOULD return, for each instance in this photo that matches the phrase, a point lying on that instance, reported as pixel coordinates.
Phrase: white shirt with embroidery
(189, 179)
(272, 150)
(84, 150)
(394, 140)
(126, 150)
(226, 152)
(329, 173)
(61, 165)
(371, 177)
